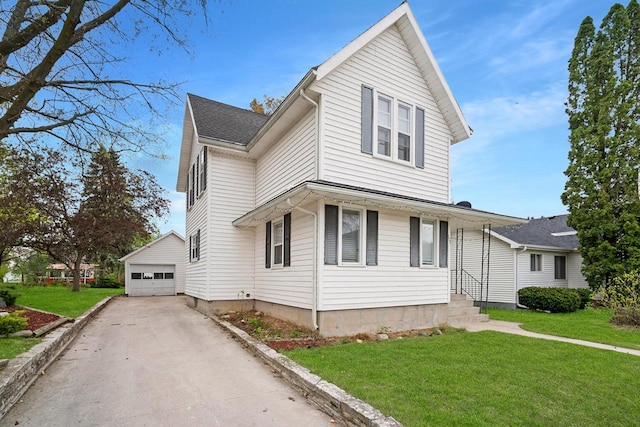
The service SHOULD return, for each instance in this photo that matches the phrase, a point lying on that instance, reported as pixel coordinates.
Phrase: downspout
(517, 299)
(314, 285)
(317, 118)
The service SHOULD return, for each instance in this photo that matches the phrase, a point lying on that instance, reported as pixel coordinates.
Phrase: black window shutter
(414, 241)
(420, 138)
(197, 177)
(367, 120)
(331, 235)
(267, 246)
(198, 245)
(190, 248)
(287, 241)
(372, 237)
(204, 166)
(444, 244)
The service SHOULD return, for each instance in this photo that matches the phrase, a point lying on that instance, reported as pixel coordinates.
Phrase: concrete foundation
(218, 307)
(337, 322)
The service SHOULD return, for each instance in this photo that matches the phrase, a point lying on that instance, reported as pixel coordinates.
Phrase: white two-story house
(334, 212)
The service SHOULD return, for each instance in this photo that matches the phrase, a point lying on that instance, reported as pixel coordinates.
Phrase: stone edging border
(24, 369)
(328, 397)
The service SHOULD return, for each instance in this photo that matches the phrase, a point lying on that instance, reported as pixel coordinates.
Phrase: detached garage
(156, 268)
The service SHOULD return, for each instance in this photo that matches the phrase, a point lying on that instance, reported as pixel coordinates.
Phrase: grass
(588, 324)
(10, 347)
(484, 378)
(60, 300)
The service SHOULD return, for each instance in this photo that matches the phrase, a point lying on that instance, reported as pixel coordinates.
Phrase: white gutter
(524, 248)
(315, 104)
(314, 302)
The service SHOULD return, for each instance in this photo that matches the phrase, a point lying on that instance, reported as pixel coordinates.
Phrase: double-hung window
(194, 247)
(536, 262)
(202, 166)
(428, 242)
(278, 243)
(394, 129)
(351, 236)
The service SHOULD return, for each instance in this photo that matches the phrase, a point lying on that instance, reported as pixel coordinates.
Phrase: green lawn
(60, 300)
(588, 324)
(13, 346)
(484, 378)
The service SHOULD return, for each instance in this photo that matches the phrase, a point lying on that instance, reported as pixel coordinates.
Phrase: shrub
(585, 296)
(555, 300)
(8, 296)
(106, 282)
(11, 323)
(623, 296)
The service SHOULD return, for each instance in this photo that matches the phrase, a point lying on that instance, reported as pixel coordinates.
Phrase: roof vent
(464, 204)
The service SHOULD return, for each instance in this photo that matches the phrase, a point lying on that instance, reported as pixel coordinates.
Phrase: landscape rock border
(328, 397)
(24, 369)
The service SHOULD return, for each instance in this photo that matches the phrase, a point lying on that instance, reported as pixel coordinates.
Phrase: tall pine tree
(602, 186)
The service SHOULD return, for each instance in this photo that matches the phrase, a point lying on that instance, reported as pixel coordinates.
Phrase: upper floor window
(392, 128)
(202, 163)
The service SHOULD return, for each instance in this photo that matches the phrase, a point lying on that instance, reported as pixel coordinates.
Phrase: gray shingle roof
(224, 122)
(538, 232)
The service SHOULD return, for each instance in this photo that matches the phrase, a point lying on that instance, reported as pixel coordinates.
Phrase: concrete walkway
(514, 328)
(152, 361)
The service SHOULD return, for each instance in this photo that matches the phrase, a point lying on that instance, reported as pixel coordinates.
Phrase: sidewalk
(514, 328)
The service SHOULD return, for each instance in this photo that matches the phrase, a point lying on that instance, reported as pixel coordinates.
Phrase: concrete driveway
(151, 361)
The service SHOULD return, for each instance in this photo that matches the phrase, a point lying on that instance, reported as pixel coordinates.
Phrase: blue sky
(505, 61)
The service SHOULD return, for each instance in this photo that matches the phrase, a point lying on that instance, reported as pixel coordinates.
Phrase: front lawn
(60, 300)
(484, 378)
(10, 347)
(588, 324)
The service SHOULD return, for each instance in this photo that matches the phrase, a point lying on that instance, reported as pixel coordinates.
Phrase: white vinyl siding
(288, 162)
(501, 265)
(392, 282)
(291, 285)
(387, 65)
(544, 278)
(231, 249)
(574, 271)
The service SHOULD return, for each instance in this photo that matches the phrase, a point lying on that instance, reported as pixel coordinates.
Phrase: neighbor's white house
(335, 211)
(542, 252)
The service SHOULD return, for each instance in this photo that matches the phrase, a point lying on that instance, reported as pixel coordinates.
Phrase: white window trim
(201, 170)
(363, 234)
(273, 243)
(436, 242)
(195, 246)
(395, 103)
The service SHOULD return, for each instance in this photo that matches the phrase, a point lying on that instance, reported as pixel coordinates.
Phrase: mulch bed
(35, 319)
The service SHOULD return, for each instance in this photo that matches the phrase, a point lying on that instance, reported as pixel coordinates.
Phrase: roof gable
(415, 41)
(148, 245)
(550, 232)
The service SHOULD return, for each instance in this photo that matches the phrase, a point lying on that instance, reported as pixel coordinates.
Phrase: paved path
(151, 361)
(514, 328)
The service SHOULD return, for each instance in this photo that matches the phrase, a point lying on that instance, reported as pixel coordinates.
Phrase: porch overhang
(310, 191)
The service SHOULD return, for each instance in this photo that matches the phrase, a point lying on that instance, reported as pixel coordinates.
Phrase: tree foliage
(268, 106)
(603, 106)
(59, 68)
(100, 212)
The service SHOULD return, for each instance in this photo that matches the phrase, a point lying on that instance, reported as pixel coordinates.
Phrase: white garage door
(152, 279)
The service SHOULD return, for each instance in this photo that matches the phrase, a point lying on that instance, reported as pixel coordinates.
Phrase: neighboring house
(157, 268)
(333, 212)
(61, 273)
(542, 252)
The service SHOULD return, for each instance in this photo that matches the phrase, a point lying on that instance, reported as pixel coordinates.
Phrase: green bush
(555, 300)
(8, 296)
(623, 296)
(106, 282)
(585, 296)
(11, 323)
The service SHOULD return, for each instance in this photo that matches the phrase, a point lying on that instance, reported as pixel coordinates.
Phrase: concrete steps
(462, 311)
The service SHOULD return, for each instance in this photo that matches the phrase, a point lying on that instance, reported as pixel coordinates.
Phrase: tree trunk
(76, 277)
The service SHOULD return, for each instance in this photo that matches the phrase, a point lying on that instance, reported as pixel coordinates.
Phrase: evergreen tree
(602, 186)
